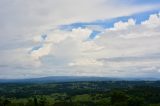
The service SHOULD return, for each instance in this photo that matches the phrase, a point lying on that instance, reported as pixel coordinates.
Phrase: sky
(106, 38)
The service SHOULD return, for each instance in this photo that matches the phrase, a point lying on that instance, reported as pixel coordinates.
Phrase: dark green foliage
(103, 93)
(35, 101)
(63, 104)
(4, 102)
(30, 102)
(119, 98)
(42, 101)
(136, 101)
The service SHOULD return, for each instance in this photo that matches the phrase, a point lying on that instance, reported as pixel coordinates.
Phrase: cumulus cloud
(153, 21)
(123, 25)
(58, 40)
(32, 44)
(21, 18)
(125, 49)
(133, 48)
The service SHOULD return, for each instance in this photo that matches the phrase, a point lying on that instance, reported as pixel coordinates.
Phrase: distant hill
(71, 79)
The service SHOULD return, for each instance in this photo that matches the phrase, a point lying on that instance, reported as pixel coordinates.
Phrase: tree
(119, 99)
(42, 101)
(35, 101)
(63, 104)
(6, 102)
(30, 102)
(136, 101)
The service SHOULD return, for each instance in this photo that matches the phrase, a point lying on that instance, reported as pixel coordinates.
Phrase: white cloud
(63, 52)
(137, 45)
(61, 41)
(123, 25)
(154, 21)
(86, 62)
(123, 51)
(27, 18)
(43, 51)
(18, 58)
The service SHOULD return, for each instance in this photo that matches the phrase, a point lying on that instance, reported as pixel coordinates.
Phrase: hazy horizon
(102, 38)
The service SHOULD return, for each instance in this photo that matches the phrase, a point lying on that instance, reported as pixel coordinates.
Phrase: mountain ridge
(73, 79)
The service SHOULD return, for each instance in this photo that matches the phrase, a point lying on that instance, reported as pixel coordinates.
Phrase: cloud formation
(126, 47)
(33, 45)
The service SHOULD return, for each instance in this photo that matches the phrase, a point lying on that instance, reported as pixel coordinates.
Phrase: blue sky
(109, 23)
(139, 2)
(112, 38)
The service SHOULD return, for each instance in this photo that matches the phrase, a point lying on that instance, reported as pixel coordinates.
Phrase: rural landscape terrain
(69, 92)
